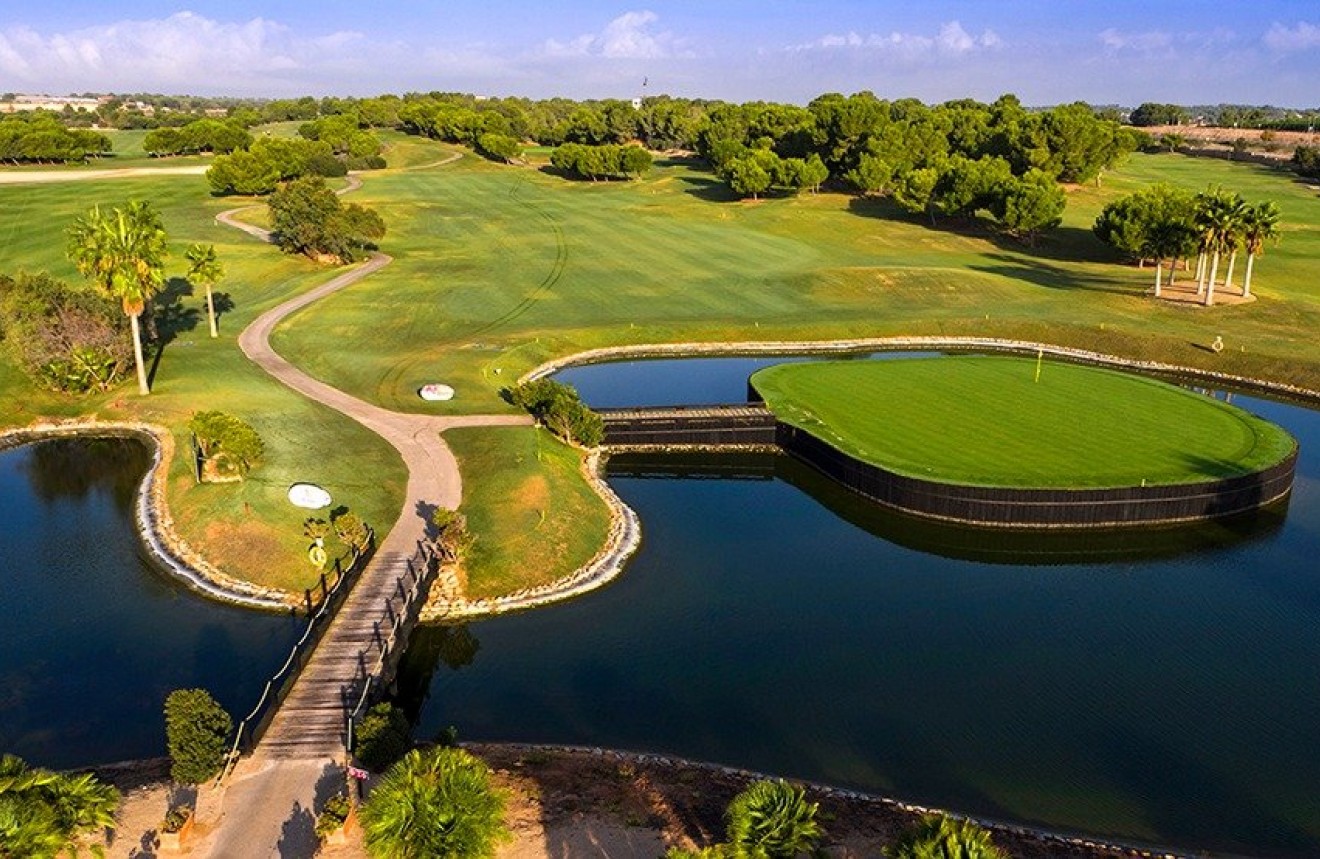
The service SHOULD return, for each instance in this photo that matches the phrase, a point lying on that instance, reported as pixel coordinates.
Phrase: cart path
(273, 793)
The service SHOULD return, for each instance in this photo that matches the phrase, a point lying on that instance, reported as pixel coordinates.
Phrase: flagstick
(1040, 355)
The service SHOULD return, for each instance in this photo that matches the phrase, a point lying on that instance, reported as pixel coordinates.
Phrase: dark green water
(1162, 686)
(92, 637)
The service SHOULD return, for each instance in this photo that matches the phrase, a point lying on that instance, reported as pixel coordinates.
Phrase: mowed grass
(534, 518)
(248, 529)
(501, 267)
(988, 421)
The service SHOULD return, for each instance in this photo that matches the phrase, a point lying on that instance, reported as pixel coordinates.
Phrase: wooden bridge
(742, 425)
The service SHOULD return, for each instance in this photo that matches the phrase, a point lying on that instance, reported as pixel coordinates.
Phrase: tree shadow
(298, 834)
(708, 188)
(224, 303)
(426, 510)
(169, 318)
(1050, 276)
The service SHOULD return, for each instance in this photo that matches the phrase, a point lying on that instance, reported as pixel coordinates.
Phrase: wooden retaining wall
(696, 426)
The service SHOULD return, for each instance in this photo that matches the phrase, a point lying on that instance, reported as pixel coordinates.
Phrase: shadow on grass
(708, 188)
(170, 318)
(1044, 274)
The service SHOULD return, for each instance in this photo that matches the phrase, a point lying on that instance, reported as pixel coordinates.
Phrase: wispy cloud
(631, 36)
(1118, 40)
(951, 40)
(164, 53)
(1300, 37)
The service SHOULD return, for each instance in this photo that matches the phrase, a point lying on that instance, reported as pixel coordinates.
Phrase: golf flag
(1040, 356)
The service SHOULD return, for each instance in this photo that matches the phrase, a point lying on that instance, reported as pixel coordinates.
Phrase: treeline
(606, 161)
(39, 137)
(327, 147)
(202, 135)
(1265, 117)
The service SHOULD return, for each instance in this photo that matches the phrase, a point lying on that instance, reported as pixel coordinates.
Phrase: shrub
(175, 818)
(772, 819)
(940, 837)
(558, 407)
(65, 339)
(435, 803)
(452, 537)
(229, 442)
(351, 531)
(382, 737)
(196, 728)
(333, 815)
(43, 813)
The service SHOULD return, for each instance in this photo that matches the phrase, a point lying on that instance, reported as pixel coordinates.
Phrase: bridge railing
(321, 610)
(411, 590)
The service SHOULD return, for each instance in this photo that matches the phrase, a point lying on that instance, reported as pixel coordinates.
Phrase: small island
(1017, 442)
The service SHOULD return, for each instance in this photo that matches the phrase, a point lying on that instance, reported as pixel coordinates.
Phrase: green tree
(872, 175)
(382, 737)
(499, 147)
(635, 161)
(228, 441)
(310, 219)
(772, 819)
(64, 338)
(1029, 205)
(915, 190)
(196, 728)
(123, 254)
(940, 837)
(1259, 226)
(204, 267)
(438, 803)
(747, 177)
(43, 813)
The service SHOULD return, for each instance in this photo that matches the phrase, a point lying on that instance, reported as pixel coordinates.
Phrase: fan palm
(1261, 225)
(123, 253)
(437, 803)
(205, 267)
(940, 837)
(42, 813)
(772, 819)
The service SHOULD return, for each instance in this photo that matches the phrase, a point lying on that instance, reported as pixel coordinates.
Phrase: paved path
(269, 803)
(35, 177)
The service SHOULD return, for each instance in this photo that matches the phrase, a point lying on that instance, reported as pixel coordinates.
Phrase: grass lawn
(986, 420)
(535, 519)
(248, 529)
(500, 267)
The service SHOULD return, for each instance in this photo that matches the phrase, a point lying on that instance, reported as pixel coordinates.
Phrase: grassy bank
(990, 421)
(535, 519)
(499, 268)
(248, 529)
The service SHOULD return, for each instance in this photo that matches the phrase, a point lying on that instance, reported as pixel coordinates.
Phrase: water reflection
(960, 542)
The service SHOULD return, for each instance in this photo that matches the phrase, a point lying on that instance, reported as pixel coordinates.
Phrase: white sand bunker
(435, 392)
(308, 495)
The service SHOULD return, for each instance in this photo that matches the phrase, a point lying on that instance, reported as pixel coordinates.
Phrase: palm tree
(439, 802)
(1261, 224)
(205, 267)
(772, 819)
(940, 837)
(123, 253)
(43, 813)
(1236, 212)
(1215, 221)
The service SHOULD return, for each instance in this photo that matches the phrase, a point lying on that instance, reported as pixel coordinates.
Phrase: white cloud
(177, 52)
(1117, 40)
(952, 40)
(1302, 37)
(628, 37)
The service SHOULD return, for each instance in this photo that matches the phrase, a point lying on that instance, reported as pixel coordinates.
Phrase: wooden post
(307, 594)
(325, 592)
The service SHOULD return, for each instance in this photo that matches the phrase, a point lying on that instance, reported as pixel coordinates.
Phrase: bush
(560, 410)
(772, 819)
(65, 339)
(333, 815)
(498, 147)
(435, 803)
(1306, 160)
(196, 728)
(940, 837)
(175, 818)
(452, 537)
(229, 442)
(382, 737)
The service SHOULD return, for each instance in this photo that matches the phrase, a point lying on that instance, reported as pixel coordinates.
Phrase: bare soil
(566, 804)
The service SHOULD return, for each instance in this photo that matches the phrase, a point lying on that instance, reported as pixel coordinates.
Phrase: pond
(1156, 685)
(92, 636)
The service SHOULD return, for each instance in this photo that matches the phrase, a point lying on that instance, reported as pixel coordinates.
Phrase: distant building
(46, 102)
(637, 104)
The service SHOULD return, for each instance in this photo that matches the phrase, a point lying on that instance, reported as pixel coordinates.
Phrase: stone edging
(879, 344)
(155, 525)
(1040, 835)
(625, 535)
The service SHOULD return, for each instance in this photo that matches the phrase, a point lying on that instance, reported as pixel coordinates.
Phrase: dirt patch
(240, 545)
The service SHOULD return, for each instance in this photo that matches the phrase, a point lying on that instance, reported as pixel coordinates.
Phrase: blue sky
(788, 50)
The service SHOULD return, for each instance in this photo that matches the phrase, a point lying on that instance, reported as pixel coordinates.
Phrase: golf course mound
(1011, 441)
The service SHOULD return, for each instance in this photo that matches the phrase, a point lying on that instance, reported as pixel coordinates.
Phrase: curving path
(268, 806)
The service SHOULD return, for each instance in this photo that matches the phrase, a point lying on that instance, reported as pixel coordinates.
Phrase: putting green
(987, 421)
